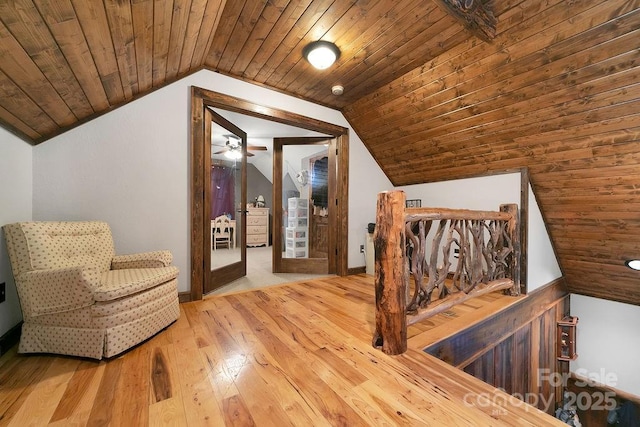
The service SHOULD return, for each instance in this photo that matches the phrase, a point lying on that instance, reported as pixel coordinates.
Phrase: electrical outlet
(361, 249)
(3, 291)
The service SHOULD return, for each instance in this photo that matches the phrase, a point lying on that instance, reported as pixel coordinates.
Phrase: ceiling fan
(233, 148)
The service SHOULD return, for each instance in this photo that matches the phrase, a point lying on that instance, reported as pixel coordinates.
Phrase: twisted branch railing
(428, 260)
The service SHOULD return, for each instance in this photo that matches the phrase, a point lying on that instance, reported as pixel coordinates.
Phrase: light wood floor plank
(200, 406)
(276, 381)
(19, 378)
(41, 403)
(102, 409)
(80, 393)
(291, 355)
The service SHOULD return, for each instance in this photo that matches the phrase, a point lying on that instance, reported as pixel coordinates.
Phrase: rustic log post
(513, 228)
(391, 283)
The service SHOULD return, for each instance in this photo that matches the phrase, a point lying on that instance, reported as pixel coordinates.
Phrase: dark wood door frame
(202, 98)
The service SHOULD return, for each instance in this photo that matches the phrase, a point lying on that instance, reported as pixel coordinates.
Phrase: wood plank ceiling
(556, 91)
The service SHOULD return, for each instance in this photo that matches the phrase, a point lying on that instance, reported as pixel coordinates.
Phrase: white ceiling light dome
(321, 54)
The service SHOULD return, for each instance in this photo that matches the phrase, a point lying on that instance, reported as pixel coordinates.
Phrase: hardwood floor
(298, 354)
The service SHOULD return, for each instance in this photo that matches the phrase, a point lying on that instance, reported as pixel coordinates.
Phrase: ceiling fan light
(233, 154)
(233, 141)
(321, 54)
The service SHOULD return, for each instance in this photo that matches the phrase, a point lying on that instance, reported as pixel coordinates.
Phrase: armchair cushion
(50, 245)
(119, 283)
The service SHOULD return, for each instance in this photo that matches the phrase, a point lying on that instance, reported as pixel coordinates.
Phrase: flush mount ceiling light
(633, 264)
(321, 54)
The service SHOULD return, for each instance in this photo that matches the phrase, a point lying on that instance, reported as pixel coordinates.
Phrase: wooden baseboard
(184, 296)
(357, 270)
(10, 338)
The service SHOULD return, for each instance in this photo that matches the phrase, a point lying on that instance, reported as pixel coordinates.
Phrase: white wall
(130, 168)
(607, 342)
(543, 265)
(16, 202)
(488, 193)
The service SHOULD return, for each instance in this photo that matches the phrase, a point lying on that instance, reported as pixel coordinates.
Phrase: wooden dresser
(257, 226)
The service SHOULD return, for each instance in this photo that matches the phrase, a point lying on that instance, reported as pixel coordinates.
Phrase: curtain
(222, 191)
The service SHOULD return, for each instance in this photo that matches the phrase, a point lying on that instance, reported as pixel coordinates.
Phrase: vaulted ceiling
(556, 91)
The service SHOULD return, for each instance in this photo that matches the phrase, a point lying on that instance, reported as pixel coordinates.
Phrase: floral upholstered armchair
(79, 298)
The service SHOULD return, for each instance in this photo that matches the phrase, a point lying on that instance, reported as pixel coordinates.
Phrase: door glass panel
(305, 201)
(226, 197)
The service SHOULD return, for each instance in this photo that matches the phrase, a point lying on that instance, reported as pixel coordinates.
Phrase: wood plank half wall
(556, 91)
(515, 349)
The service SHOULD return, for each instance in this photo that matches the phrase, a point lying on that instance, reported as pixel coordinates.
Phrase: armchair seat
(115, 284)
(79, 298)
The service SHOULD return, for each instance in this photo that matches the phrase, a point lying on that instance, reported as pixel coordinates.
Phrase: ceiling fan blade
(224, 150)
(256, 147)
(249, 154)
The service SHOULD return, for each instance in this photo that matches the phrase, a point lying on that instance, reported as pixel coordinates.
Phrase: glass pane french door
(305, 186)
(226, 201)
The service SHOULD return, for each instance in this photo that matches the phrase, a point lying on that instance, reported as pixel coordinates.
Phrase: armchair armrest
(142, 260)
(58, 290)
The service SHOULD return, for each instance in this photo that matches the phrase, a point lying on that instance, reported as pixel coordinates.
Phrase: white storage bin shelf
(295, 203)
(298, 213)
(296, 243)
(296, 253)
(296, 233)
(297, 222)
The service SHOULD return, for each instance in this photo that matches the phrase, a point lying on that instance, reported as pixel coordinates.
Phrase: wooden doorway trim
(202, 98)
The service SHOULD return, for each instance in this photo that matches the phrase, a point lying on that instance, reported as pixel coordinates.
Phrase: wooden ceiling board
(210, 21)
(224, 32)
(65, 28)
(17, 125)
(460, 73)
(557, 91)
(452, 114)
(25, 82)
(121, 25)
(142, 19)
(30, 113)
(179, 21)
(162, 16)
(273, 43)
(245, 27)
(23, 20)
(95, 27)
